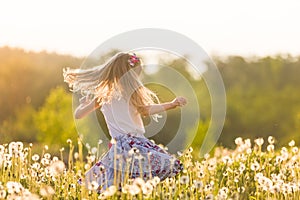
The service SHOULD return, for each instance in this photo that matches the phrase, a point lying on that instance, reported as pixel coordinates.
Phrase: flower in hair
(133, 59)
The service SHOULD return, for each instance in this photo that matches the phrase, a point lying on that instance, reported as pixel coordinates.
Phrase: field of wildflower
(247, 172)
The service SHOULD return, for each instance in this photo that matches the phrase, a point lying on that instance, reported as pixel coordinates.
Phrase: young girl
(115, 88)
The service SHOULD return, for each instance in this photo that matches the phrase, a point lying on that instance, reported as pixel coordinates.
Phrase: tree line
(262, 98)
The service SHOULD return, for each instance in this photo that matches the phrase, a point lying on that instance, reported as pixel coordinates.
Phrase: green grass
(247, 172)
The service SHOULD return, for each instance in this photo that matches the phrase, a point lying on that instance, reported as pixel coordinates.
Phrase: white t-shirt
(122, 118)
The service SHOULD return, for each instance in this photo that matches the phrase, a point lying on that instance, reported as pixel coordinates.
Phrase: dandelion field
(246, 172)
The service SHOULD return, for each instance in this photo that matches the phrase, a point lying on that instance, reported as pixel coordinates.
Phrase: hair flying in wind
(115, 78)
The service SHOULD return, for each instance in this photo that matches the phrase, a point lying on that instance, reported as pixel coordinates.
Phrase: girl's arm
(157, 108)
(85, 108)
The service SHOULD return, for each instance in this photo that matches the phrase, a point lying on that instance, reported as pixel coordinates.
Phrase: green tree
(54, 120)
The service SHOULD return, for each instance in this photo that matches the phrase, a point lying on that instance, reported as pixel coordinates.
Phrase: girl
(115, 88)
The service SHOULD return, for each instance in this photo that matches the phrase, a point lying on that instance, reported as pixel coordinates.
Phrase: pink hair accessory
(133, 59)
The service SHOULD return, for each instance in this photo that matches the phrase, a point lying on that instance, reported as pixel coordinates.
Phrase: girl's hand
(179, 101)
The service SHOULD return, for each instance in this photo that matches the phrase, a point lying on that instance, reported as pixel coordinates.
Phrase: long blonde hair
(113, 79)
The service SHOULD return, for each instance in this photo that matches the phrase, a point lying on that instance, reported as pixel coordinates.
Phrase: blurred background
(254, 44)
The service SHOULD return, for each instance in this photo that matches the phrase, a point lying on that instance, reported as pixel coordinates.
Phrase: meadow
(253, 170)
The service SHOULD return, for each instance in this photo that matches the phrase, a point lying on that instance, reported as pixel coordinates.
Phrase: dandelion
(295, 150)
(36, 166)
(198, 184)
(55, 158)
(184, 180)
(208, 187)
(2, 194)
(271, 140)
(12, 147)
(132, 151)
(270, 148)
(209, 197)
(45, 162)
(212, 164)
(69, 141)
(155, 181)
(259, 141)
(92, 158)
(86, 166)
(2, 149)
(255, 166)
(35, 157)
(102, 196)
(23, 176)
(19, 146)
(76, 155)
(200, 174)
(94, 150)
(93, 185)
(223, 193)
(238, 141)
(242, 167)
(47, 191)
(133, 190)
(179, 153)
(227, 160)
(14, 187)
(139, 182)
(247, 143)
(292, 143)
(56, 168)
(147, 188)
(278, 159)
(110, 191)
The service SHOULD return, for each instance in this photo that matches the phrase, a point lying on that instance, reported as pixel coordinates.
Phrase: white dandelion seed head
(238, 141)
(93, 186)
(57, 168)
(184, 180)
(35, 157)
(292, 143)
(209, 197)
(47, 191)
(255, 166)
(198, 184)
(55, 158)
(133, 190)
(110, 191)
(2, 194)
(259, 141)
(271, 140)
(147, 188)
(94, 150)
(139, 182)
(295, 150)
(47, 156)
(76, 155)
(270, 148)
(69, 141)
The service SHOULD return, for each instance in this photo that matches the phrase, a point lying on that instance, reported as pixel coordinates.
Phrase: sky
(231, 27)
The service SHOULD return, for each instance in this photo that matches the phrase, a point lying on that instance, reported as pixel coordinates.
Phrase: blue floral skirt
(130, 157)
